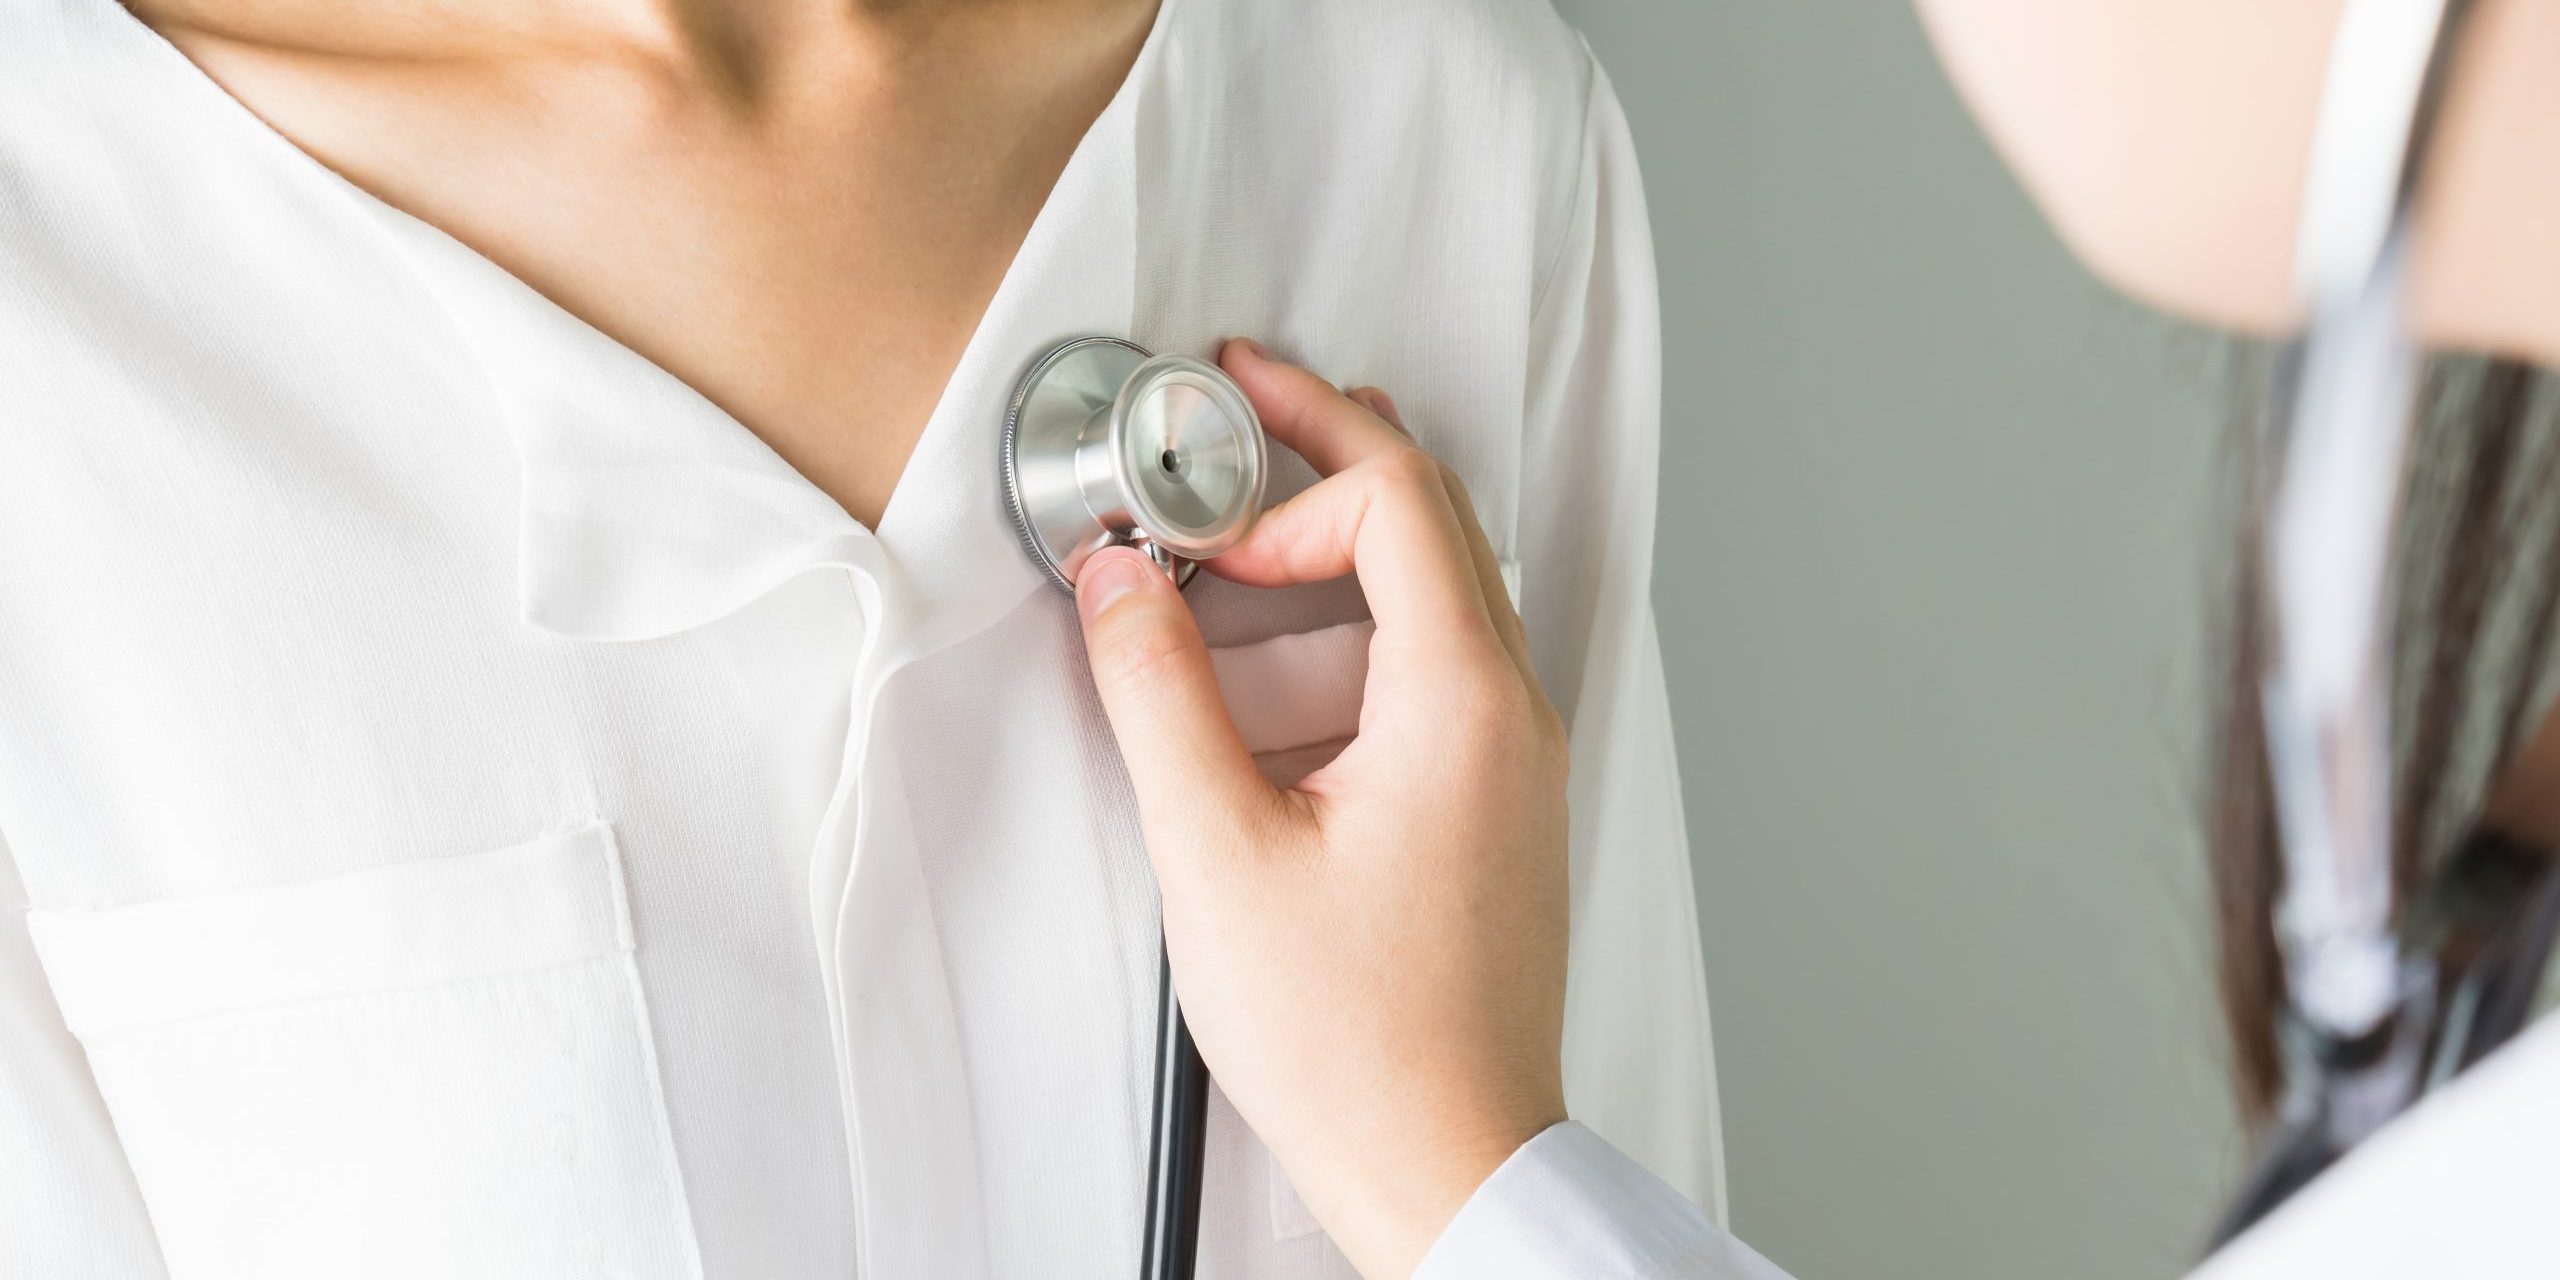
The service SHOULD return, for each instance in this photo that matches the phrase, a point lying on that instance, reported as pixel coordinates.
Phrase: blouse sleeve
(68, 1203)
(1567, 1205)
(1639, 1062)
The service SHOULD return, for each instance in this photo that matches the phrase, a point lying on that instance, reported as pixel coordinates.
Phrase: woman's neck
(794, 209)
(753, 53)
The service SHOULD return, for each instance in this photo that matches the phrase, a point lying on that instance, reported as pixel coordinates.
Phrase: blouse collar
(646, 510)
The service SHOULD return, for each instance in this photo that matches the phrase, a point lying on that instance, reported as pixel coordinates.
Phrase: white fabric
(2458, 1189)
(1568, 1205)
(483, 813)
(249, 1040)
(549, 902)
(2461, 1188)
(1295, 690)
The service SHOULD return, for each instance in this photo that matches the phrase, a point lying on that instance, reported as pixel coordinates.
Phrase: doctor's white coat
(478, 812)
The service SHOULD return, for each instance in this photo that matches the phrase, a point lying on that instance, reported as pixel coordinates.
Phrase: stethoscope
(2385, 999)
(1106, 445)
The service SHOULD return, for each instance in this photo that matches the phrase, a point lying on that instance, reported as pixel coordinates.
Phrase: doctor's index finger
(1342, 434)
(1389, 521)
(1330, 430)
(1497, 595)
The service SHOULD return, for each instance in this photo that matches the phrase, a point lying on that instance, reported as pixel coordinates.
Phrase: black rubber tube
(1176, 1148)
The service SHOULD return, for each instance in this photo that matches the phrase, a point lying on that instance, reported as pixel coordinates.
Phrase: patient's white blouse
(478, 812)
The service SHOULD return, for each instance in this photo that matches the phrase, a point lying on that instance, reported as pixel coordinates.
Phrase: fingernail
(1113, 572)
(1254, 349)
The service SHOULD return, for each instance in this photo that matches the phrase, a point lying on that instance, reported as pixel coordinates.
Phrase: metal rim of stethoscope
(1013, 425)
(1052, 460)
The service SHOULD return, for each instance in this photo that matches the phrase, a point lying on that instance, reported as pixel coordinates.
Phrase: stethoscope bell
(1105, 445)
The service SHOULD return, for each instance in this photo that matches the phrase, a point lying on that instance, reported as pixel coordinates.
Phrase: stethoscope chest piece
(1106, 445)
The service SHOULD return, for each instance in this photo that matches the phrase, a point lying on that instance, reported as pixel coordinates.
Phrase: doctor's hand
(1372, 961)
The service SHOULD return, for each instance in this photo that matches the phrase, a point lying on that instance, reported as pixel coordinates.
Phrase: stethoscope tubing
(1068, 433)
(1177, 1143)
(2361, 1009)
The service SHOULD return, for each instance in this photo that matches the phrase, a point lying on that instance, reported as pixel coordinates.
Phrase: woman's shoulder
(1340, 124)
(1525, 44)
(103, 158)
(1514, 55)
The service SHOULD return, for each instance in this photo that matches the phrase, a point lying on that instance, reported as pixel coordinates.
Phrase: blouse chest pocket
(436, 1068)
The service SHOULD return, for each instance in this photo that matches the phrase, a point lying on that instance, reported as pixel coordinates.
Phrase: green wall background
(1931, 574)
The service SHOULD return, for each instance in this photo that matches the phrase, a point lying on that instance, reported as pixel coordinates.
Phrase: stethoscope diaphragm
(1107, 445)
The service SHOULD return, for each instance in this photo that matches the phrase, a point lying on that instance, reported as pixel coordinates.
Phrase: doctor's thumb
(1161, 693)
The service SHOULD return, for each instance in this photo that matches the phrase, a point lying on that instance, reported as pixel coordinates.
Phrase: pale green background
(1931, 576)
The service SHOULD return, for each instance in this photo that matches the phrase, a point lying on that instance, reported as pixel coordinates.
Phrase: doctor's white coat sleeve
(1567, 1205)
(1638, 1058)
(68, 1204)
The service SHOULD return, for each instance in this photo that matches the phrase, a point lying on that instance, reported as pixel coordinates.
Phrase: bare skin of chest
(802, 213)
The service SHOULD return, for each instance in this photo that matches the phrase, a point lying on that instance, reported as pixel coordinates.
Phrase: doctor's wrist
(1389, 1198)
